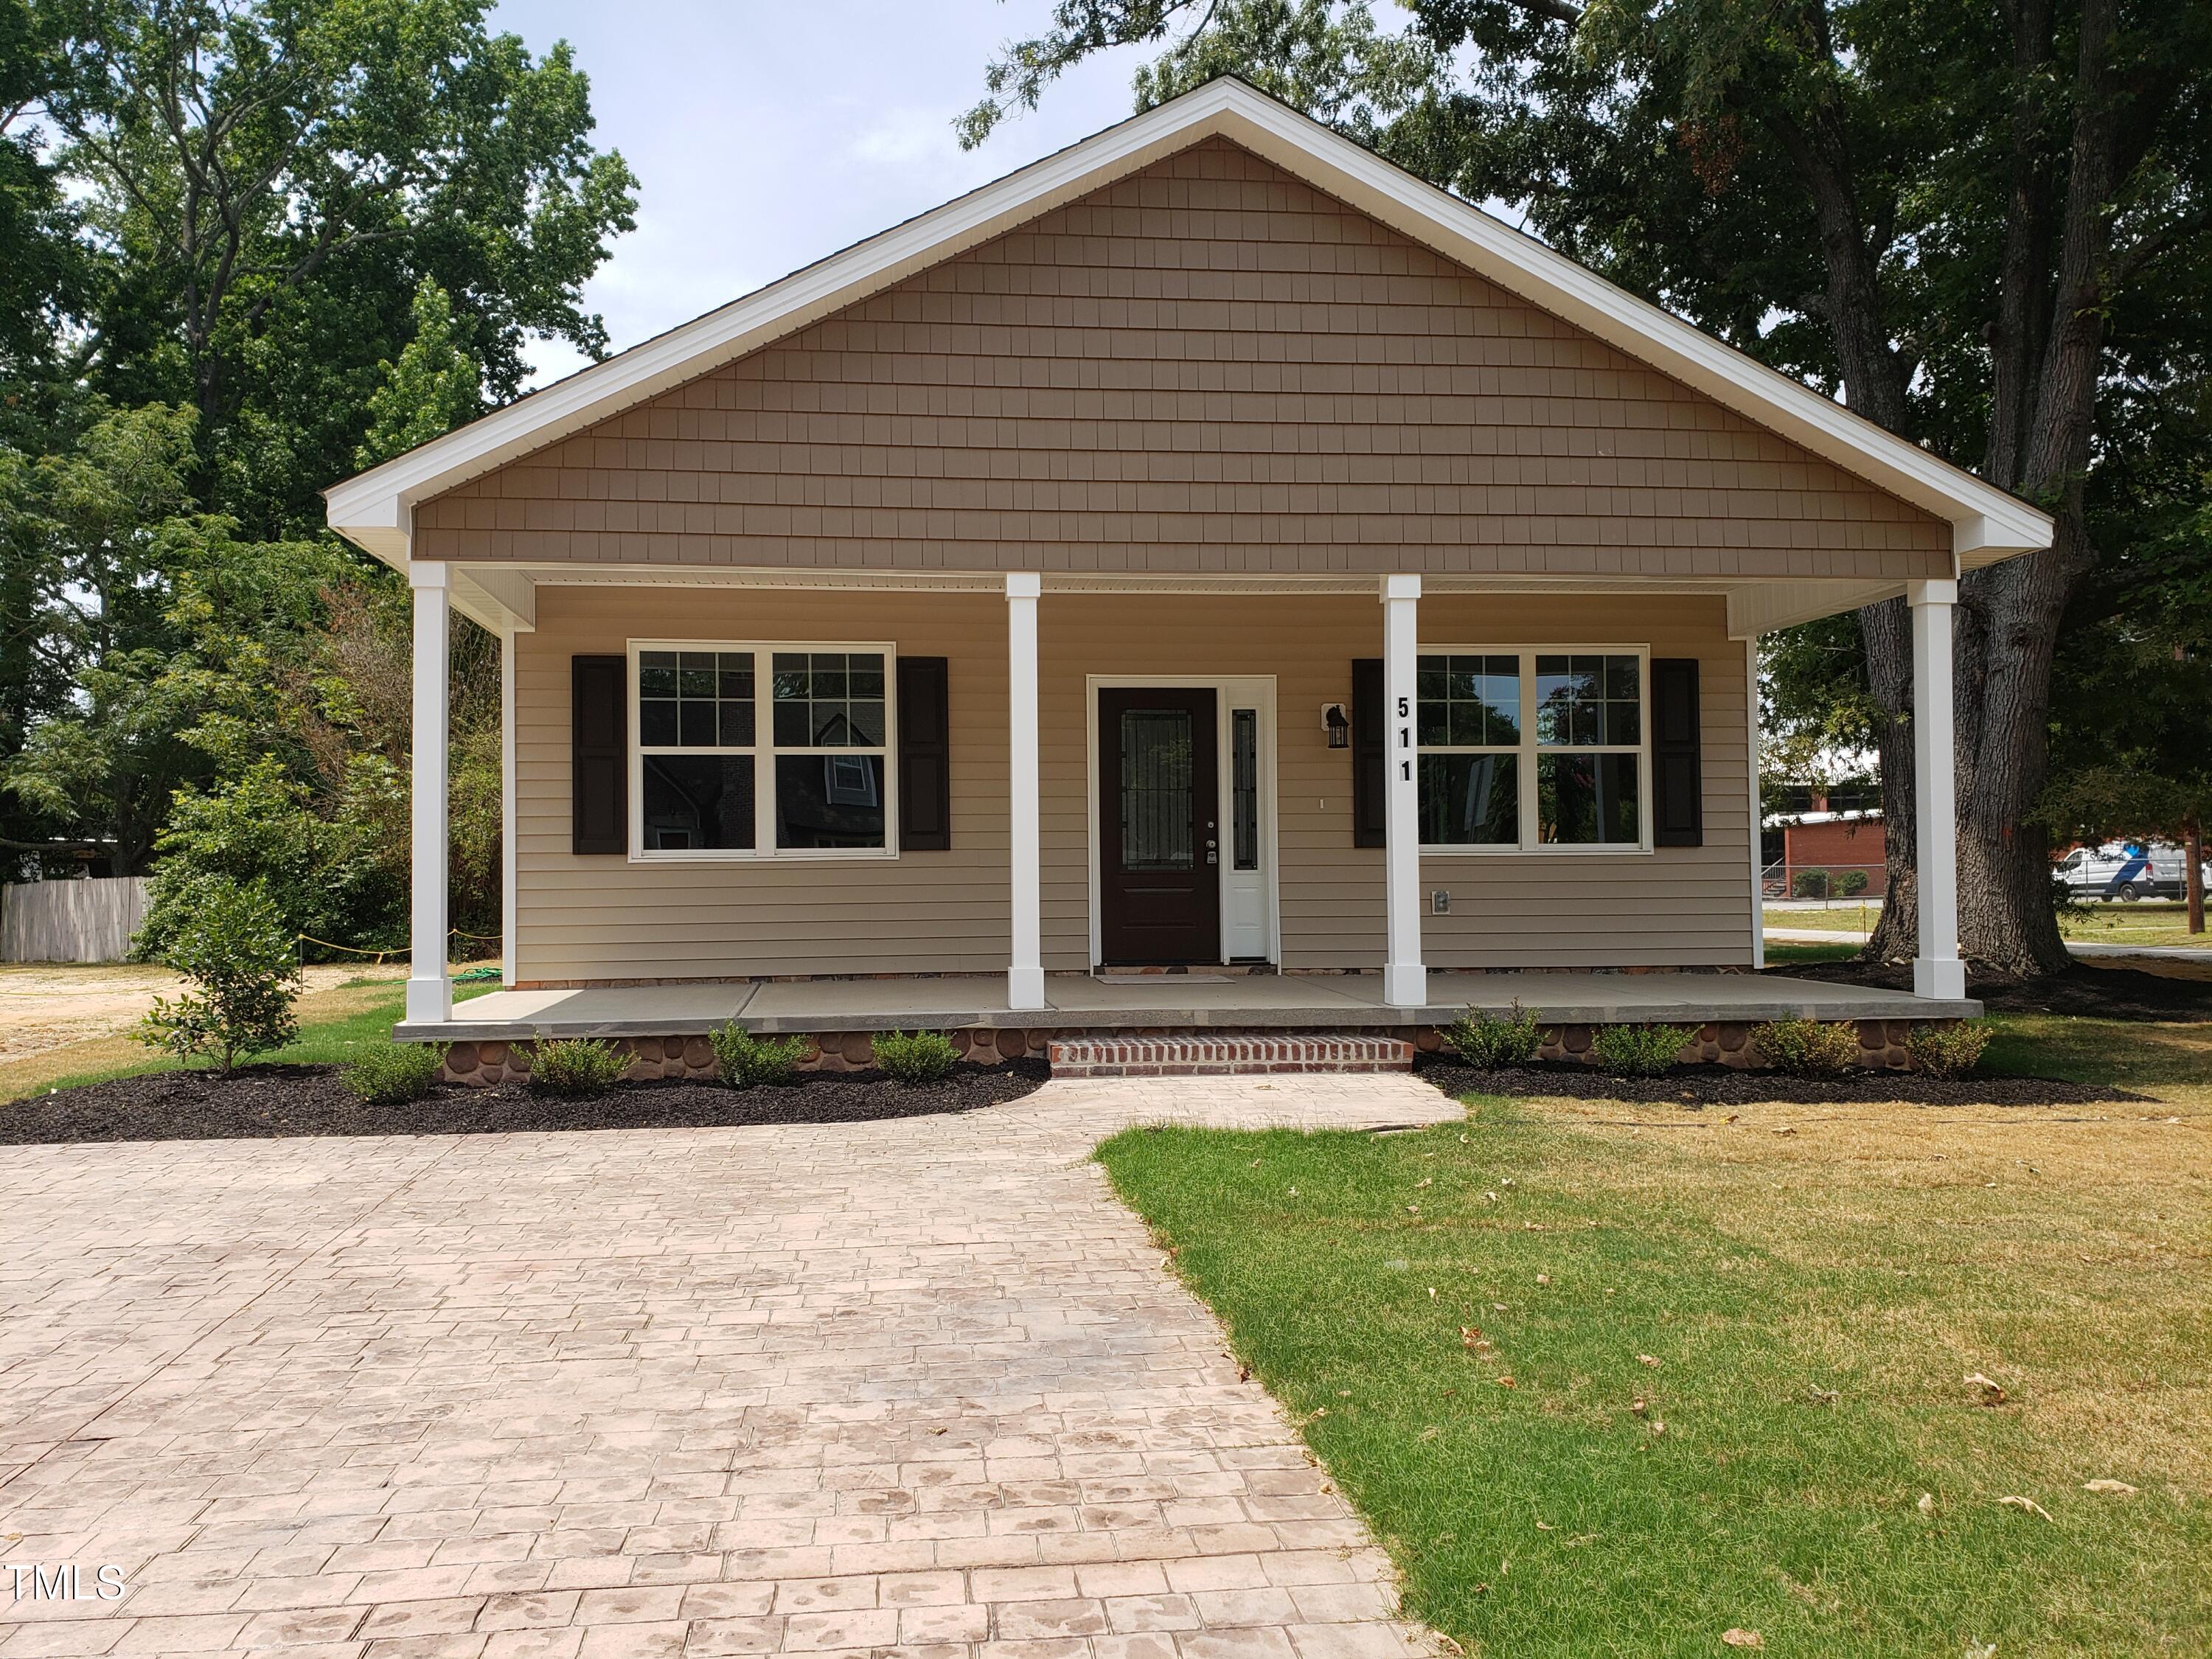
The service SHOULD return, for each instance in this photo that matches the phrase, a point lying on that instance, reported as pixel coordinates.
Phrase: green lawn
(1880, 1252)
(1781, 952)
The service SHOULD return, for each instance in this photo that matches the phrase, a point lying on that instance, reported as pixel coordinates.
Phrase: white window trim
(764, 752)
(1528, 751)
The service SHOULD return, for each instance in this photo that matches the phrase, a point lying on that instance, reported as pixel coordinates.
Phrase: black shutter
(925, 755)
(1369, 751)
(1678, 798)
(599, 729)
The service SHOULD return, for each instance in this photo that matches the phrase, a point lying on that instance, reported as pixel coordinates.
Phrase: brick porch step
(1215, 1052)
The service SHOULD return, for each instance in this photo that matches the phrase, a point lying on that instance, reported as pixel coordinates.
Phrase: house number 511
(1404, 739)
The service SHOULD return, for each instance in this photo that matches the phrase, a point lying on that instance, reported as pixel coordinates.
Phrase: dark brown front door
(1159, 864)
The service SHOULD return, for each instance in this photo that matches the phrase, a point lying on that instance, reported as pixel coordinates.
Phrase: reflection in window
(828, 800)
(1244, 788)
(828, 699)
(1586, 799)
(1155, 785)
(696, 803)
(1588, 701)
(1469, 702)
(1470, 800)
(695, 699)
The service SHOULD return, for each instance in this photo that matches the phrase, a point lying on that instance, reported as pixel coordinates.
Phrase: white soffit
(374, 509)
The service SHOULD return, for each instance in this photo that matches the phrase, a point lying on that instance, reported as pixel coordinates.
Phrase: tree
(268, 186)
(435, 385)
(1973, 222)
(238, 953)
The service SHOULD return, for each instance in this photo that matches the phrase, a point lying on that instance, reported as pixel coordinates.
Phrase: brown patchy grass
(345, 995)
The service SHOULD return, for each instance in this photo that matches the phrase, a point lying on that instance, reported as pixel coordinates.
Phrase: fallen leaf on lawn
(1731, 1117)
(1743, 1638)
(1344, 1393)
(1543, 1526)
(1442, 1641)
(1993, 1392)
(1506, 1383)
(1927, 1504)
(1425, 1181)
(1646, 1360)
(1783, 1129)
(1498, 1307)
(1639, 1405)
(1292, 1193)
(1822, 1397)
(1981, 1650)
(1432, 1293)
(1489, 1198)
(1469, 1335)
(1657, 1427)
(2015, 1502)
(1412, 1209)
(1543, 1279)
(2111, 1488)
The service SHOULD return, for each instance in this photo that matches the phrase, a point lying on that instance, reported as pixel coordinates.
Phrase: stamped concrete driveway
(919, 1385)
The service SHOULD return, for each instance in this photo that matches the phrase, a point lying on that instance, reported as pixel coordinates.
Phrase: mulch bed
(1694, 1086)
(2087, 993)
(310, 1100)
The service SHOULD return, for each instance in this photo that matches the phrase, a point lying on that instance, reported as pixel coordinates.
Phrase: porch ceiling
(504, 597)
(1081, 1002)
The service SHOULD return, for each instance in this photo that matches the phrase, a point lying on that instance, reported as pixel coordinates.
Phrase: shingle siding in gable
(1209, 366)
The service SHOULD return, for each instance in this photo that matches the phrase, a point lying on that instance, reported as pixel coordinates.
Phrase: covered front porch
(1108, 1001)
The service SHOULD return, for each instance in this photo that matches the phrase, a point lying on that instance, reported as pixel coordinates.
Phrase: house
(1208, 548)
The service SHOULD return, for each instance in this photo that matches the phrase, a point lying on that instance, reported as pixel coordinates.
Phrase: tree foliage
(247, 248)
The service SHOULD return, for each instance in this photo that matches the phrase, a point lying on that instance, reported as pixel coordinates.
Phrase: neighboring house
(1208, 545)
(1827, 844)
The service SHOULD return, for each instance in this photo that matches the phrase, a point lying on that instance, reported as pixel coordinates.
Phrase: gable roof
(374, 509)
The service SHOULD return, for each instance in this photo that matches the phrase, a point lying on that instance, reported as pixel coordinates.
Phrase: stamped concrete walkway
(919, 1386)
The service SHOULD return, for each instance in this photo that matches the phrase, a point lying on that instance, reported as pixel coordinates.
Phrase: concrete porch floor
(1093, 1003)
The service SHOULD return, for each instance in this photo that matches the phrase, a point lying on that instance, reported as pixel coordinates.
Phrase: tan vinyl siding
(605, 918)
(1208, 367)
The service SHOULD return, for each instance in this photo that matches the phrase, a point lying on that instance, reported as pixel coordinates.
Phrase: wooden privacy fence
(70, 920)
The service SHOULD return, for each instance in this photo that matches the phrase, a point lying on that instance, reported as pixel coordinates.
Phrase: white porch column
(1757, 805)
(430, 989)
(1405, 980)
(1025, 965)
(509, 908)
(1936, 971)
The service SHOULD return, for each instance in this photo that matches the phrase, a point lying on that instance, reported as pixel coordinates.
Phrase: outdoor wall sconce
(1337, 725)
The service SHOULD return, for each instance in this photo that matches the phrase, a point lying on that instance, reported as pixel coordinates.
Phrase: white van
(2124, 872)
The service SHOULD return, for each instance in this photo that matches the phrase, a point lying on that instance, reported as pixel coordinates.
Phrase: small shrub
(1807, 1048)
(923, 1057)
(1850, 884)
(239, 956)
(1640, 1050)
(579, 1067)
(747, 1062)
(1809, 884)
(1948, 1051)
(1487, 1040)
(396, 1072)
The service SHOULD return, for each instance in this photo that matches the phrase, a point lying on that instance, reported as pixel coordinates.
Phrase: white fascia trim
(1986, 521)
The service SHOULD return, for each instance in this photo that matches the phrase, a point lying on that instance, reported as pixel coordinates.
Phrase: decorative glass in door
(1156, 780)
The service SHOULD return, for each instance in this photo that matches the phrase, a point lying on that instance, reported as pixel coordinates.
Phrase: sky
(765, 135)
